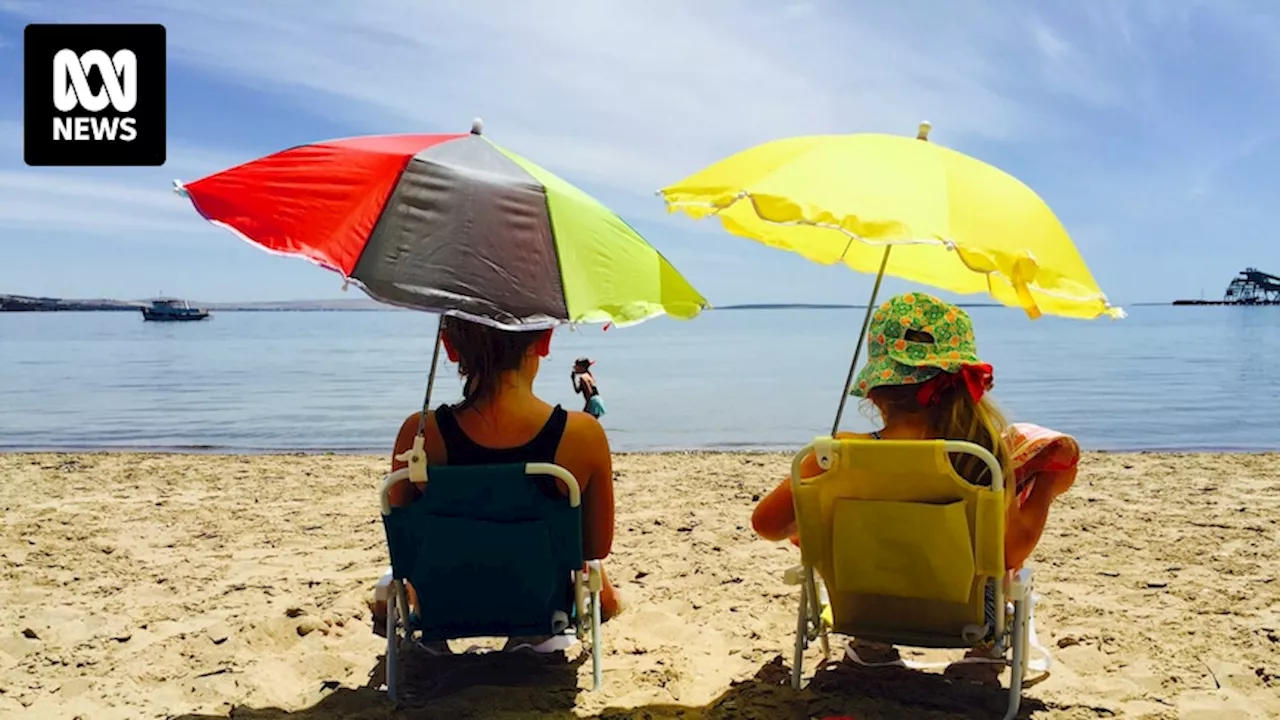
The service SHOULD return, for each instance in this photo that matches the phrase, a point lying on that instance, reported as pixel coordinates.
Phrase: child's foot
(873, 653)
(531, 641)
(436, 647)
(611, 603)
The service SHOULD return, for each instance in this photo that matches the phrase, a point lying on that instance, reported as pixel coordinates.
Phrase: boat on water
(173, 311)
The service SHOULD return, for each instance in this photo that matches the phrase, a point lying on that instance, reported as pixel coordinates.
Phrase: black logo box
(40, 43)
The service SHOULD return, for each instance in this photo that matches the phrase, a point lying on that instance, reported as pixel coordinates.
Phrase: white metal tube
(802, 631)
(392, 660)
(983, 454)
(389, 480)
(575, 493)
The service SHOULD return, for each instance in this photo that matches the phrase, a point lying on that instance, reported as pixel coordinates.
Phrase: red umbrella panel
(401, 216)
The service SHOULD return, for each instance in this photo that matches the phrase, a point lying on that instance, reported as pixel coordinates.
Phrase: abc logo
(94, 95)
(71, 90)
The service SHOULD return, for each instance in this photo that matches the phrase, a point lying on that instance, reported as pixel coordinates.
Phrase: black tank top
(462, 450)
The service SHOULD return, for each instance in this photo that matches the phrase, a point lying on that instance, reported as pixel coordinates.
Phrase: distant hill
(359, 303)
(808, 306)
(25, 303)
(786, 306)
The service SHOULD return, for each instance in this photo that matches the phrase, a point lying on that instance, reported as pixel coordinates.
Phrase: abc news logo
(94, 95)
(71, 91)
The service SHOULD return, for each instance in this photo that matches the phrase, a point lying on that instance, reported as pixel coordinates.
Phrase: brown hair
(484, 354)
(955, 417)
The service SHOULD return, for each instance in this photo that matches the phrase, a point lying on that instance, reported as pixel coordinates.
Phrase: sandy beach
(139, 586)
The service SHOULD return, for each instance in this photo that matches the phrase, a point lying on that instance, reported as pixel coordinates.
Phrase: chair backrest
(909, 551)
(489, 549)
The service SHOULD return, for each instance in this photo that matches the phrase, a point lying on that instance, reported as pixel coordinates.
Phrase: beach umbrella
(893, 205)
(451, 224)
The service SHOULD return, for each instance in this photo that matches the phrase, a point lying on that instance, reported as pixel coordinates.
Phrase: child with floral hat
(924, 377)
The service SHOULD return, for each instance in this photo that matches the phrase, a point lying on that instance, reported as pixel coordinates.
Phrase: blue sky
(1148, 125)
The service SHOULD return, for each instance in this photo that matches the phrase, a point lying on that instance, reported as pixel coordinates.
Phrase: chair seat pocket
(903, 549)
(476, 575)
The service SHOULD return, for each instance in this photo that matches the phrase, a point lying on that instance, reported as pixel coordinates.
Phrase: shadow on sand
(519, 686)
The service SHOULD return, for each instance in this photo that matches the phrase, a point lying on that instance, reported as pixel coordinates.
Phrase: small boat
(173, 311)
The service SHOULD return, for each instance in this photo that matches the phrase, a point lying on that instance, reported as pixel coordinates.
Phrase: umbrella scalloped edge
(701, 209)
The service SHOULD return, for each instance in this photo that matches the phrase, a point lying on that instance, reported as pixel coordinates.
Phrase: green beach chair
(490, 552)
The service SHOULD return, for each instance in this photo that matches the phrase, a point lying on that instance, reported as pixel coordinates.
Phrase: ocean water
(1165, 378)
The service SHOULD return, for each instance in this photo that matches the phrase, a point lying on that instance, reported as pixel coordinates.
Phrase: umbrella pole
(862, 336)
(431, 379)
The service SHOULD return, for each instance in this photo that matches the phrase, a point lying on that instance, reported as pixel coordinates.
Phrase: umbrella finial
(179, 189)
(477, 126)
(923, 132)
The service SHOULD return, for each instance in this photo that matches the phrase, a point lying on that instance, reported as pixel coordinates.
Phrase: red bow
(977, 378)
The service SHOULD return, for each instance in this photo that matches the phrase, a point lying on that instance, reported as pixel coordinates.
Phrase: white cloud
(627, 95)
(10, 139)
(624, 97)
(620, 97)
(118, 201)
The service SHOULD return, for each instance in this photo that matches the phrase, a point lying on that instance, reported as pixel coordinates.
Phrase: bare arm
(1025, 524)
(402, 493)
(597, 502)
(775, 517)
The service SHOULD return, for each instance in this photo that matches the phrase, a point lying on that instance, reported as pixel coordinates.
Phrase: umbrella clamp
(416, 458)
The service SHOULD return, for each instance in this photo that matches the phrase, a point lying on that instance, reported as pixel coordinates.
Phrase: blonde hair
(955, 417)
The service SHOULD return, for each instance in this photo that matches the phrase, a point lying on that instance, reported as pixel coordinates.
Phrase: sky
(1149, 126)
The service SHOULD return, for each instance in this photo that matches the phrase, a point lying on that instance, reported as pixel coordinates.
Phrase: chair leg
(393, 643)
(580, 602)
(1018, 669)
(595, 584)
(817, 597)
(597, 647)
(802, 636)
(402, 592)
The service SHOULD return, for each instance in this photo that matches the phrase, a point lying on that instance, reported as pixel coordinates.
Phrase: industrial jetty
(1251, 287)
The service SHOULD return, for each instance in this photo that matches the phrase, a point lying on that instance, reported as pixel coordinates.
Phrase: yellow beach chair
(908, 552)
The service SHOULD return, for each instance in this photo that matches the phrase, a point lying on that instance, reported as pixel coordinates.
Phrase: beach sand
(209, 586)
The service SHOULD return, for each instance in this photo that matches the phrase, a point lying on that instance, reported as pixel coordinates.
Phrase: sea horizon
(754, 380)
(12, 302)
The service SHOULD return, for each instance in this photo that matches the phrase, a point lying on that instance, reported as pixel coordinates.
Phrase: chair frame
(809, 623)
(587, 584)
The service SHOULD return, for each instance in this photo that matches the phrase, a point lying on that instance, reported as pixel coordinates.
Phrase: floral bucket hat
(916, 338)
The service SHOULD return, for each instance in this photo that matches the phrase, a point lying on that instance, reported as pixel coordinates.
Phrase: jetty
(1250, 287)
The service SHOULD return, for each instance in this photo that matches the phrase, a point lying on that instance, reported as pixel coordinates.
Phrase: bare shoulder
(583, 424)
(409, 427)
(584, 428)
(409, 430)
(412, 420)
(853, 436)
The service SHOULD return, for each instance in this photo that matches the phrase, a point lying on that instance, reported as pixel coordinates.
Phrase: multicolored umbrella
(452, 224)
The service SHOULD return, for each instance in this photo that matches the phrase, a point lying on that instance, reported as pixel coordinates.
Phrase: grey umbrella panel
(466, 231)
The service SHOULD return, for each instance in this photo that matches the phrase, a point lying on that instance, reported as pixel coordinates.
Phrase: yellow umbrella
(951, 221)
